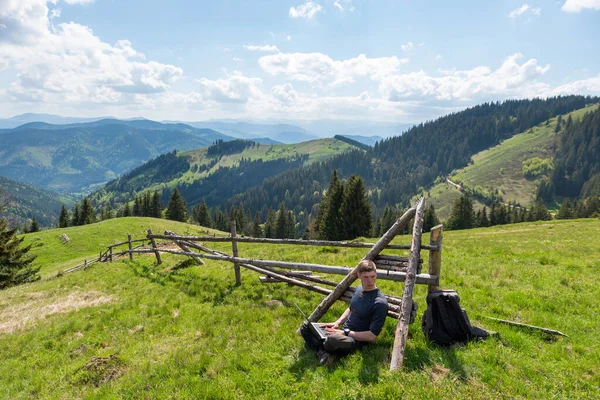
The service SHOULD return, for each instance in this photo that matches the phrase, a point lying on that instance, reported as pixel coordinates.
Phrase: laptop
(314, 326)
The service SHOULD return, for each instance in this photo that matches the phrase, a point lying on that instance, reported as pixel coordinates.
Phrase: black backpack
(445, 322)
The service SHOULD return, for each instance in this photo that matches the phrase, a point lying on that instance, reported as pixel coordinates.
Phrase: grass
(130, 329)
(502, 166)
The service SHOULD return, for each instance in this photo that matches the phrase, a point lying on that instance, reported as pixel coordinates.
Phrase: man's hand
(333, 330)
(334, 325)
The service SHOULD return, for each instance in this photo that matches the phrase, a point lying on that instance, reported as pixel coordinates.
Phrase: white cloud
(480, 83)
(236, 88)
(289, 38)
(318, 67)
(307, 10)
(438, 57)
(68, 63)
(590, 86)
(408, 46)
(78, 1)
(237, 59)
(338, 6)
(285, 94)
(55, 13)
(266, 48)
(525, 9)
(576, 6)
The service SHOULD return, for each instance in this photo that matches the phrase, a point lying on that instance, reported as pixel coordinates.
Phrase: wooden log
(518, 324)
(129, 245)
(291, 241)
(183, 247)
(110, 257)
(156, 252)
(435, 256)
(234, 249)
(324, 306)
(401, 334)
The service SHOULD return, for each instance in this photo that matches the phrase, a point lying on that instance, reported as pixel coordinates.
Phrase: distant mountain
(349, 128)
(265, 141)
(18, 120)
(368, 140)
(27, 201)
(284, 133)
(78, 157)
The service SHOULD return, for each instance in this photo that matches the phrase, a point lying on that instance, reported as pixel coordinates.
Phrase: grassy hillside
(501, 166)
(217, 177)
(27, 201)
(134, 330)
(317, 150)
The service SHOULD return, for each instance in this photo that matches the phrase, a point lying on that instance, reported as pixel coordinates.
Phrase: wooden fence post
(435, 256)
(110, 255)
(401, 334)
(130, 248)
(156, 252)
(234, 248)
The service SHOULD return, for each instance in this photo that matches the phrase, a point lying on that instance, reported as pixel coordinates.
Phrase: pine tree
(430, 220)
(281, 222)
(330, 227)
(256, 229)
(15, 263)
(75, 220)
(34, 227)
(136, 207)
(484, 221)
(156, 206)
(355, 210)
(270, 224)
(201, 216)
(290, 225)
(565, 211)
(86, 215)
(177, 209)
(127, 210)
(63, 219)
(462, 216)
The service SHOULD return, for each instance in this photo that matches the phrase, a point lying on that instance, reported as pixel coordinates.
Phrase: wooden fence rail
(289, 241)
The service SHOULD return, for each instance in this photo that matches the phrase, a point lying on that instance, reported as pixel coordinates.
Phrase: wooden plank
(435, 256)
(401, 334)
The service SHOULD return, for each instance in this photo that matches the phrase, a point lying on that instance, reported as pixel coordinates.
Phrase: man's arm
(339, 322)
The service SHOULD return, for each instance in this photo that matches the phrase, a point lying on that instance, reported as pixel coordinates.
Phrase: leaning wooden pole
(409, 287)
(156, 252)
(341, 288)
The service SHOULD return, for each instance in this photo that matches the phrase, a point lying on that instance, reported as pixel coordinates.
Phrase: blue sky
(396, 61)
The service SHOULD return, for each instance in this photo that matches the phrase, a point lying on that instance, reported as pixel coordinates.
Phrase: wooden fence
(394, 268)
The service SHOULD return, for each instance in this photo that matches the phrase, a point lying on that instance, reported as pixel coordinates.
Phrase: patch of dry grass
(35, 306)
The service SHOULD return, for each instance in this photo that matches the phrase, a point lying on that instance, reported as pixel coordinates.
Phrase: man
(360, 324)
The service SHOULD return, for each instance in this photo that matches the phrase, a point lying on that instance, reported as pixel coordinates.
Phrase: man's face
(367, 279)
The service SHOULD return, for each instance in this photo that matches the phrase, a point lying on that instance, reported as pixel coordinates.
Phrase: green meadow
(502, 166)
(133, 329)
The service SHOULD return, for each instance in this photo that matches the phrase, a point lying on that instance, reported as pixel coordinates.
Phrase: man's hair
(366, 266)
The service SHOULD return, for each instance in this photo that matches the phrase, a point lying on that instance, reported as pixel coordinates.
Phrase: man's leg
(311, 340)
(339, 344)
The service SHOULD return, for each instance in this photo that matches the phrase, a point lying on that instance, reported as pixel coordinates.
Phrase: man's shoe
(323, 357)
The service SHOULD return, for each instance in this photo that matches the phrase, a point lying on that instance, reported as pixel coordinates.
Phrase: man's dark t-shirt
(367, 311)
